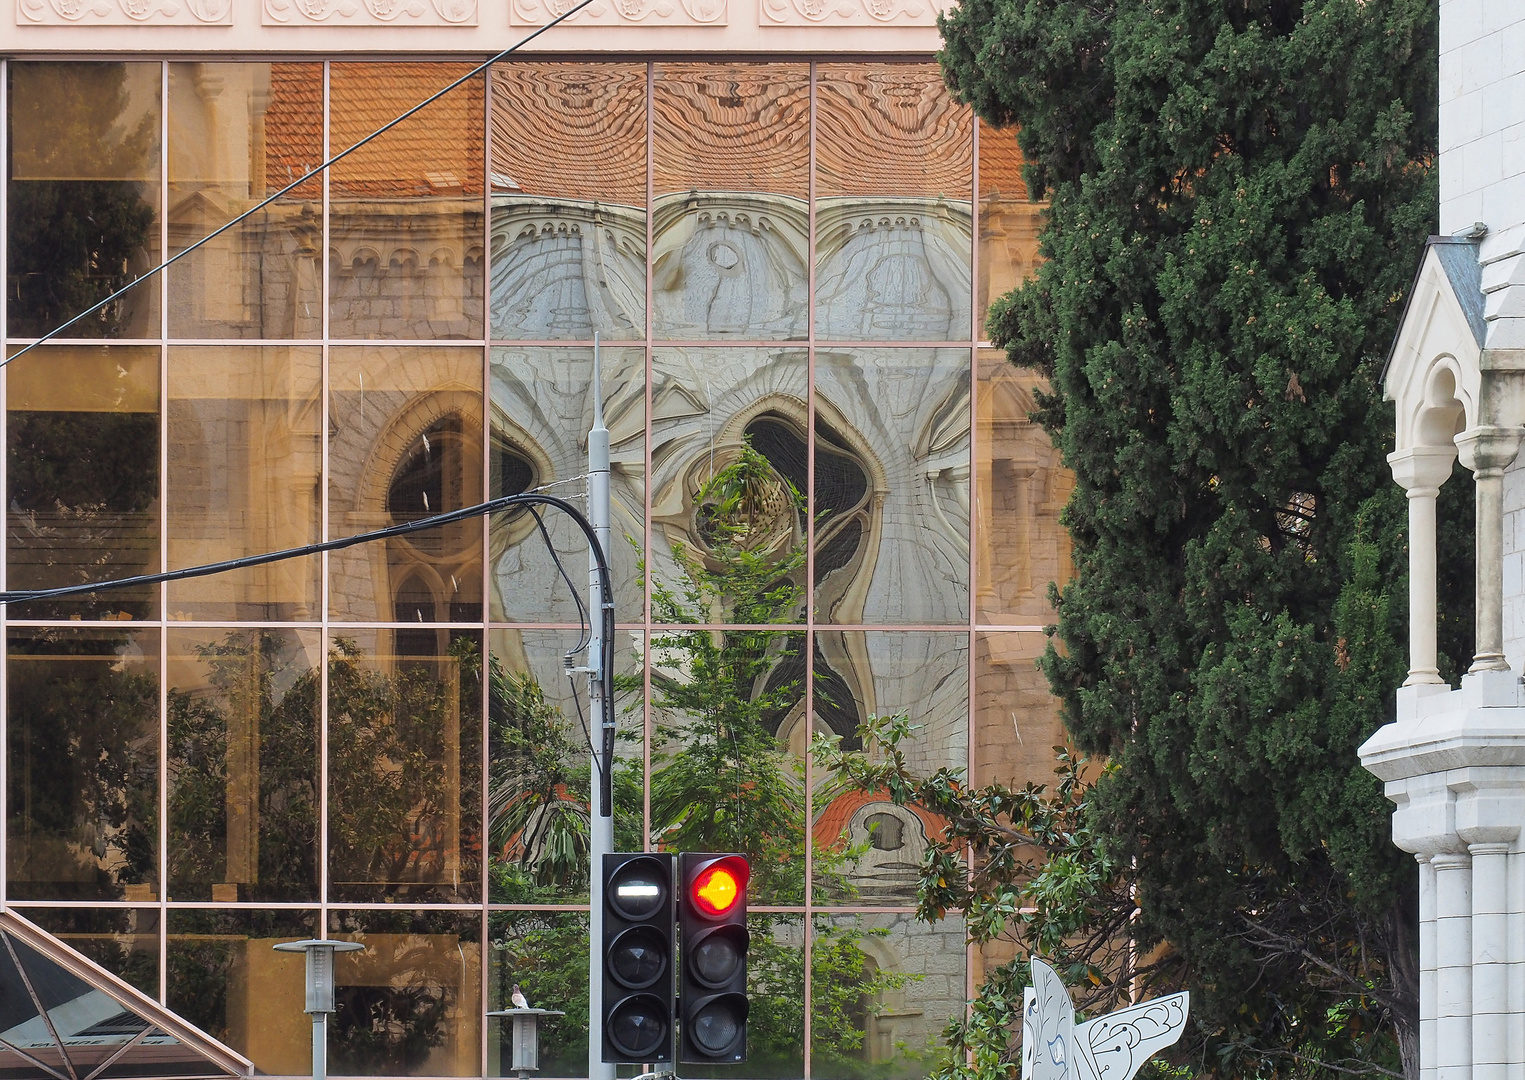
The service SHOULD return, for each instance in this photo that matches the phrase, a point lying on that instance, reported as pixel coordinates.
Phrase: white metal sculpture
(1110, 1047)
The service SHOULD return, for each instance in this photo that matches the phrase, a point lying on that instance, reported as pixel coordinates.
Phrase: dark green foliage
(75, 241)
(1239, 195)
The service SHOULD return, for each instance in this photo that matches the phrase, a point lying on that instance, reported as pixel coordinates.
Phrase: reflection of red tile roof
(294, 128)
(732, 127)
(890, 129)
(438, 152)
(831, 822)
(1000, 164)
(576, 131)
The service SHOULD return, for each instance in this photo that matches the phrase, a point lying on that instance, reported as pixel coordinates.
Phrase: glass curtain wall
(829, 504)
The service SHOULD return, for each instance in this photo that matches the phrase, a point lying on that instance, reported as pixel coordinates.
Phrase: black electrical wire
(492, 506)
(257, 207)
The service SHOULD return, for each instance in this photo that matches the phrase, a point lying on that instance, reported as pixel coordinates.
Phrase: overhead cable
(257, 207)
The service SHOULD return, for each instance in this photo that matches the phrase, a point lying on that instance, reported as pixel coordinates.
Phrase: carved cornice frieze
(621, 12)
(369, 12)
(124, 12)
(848, 12)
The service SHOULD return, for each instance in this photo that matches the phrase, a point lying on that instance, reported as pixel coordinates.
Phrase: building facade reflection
(829, 505)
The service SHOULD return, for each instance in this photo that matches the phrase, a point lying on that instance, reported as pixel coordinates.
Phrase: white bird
(518, 998)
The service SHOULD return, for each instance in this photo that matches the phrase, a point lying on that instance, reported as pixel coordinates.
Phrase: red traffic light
(720, 887)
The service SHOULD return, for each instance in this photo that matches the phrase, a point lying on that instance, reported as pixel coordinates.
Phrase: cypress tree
(1239, 191)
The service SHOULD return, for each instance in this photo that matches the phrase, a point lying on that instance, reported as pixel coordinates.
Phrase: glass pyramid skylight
(62, 1017)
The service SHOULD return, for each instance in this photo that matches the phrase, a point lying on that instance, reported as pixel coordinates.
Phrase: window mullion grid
(648, 723)
(163, 613)
(971, 954)
(323, 486)
(5, 635)
(808, 929)
(485, 949)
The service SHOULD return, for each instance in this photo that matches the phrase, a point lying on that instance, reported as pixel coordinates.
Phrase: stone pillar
(1453, 965)
(1420, 472)
(1490, 960)
(1488, 451)
(1426, 968)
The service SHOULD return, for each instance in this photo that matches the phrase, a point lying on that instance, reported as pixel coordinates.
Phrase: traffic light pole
(601, 694)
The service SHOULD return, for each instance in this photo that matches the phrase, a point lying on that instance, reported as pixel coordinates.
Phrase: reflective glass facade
(787, 264)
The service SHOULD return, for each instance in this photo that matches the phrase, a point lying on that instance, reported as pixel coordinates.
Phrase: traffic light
(713, 939)
(638, 958)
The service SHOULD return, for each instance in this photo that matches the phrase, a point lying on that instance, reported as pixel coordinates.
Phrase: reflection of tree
(722, 780)
(84, 765)
(73, 241)
(402, 764)
(271, 778)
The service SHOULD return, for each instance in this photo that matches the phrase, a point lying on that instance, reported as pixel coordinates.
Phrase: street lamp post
(320, 991)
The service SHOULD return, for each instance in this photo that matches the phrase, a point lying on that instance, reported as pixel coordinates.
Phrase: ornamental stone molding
(124, 12)
(848, 12)
(621, 12)
(366, 12)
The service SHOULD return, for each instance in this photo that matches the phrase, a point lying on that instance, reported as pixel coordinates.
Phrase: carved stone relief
(893, 270)
(848, 12)
(124, 12)
(730, 265)
(565, 270)
(370, 12)
(621, 12)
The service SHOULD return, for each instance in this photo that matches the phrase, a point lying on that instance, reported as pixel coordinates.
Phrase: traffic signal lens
(719, 956)
(638, 957)
(638, 1027)
(717, 890)
(638, 890)
(715, 1026)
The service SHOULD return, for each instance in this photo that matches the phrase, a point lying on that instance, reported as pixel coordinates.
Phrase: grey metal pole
(600, 655)
(319, 1046)
(320, 991)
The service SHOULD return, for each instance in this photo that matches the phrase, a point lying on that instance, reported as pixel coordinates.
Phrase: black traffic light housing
(639, 968)
(713, 941)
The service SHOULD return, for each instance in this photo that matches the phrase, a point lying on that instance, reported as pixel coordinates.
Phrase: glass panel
(732, 184)
(545, 954)
(243, 764)
(237, 134)
(870, 849)
(83, 197)
(410, 1003)
(405, 442)
(568, 201)
(1017, 723)
(83, 772)
(542, 410)
(883, 987)
(707, 406)
(244, 456)
(1009, 223)
(538, 727)
(405, 210)
(226, 978)
(89, 1030)
(124, 941)
(892, 486)
(83, 442)
(1022, 489)
(894, 157)
(724, 774)
(776, 990)
(405, 765)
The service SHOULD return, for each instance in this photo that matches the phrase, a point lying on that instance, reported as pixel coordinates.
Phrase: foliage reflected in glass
(83, 198)
(83, 477)
(243, 765)
(226, 978)
(404, 767)
(410, 1003)
(124, 941)
(83, 770)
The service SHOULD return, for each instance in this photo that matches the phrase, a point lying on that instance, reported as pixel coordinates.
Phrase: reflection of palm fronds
(537, 810)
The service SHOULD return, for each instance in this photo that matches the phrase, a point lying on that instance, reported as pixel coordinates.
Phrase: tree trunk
(1401, 929)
